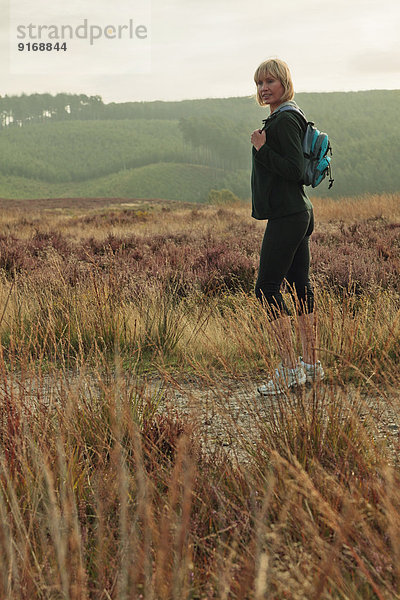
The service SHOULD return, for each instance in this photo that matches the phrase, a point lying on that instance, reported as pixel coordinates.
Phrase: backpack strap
(284, 108)
(292, 108)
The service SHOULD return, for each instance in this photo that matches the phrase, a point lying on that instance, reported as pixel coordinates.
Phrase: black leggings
(285, 254)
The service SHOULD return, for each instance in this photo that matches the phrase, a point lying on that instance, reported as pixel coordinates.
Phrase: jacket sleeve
(289, 163)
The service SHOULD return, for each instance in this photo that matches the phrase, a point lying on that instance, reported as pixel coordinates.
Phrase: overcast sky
(207, 48)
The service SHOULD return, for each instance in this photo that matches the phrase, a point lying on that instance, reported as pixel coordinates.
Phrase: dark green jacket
(276, 178)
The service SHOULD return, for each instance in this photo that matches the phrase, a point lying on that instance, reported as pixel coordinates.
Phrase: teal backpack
(316, 145)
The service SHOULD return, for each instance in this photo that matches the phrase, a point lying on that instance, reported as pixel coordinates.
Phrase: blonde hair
(279, 70)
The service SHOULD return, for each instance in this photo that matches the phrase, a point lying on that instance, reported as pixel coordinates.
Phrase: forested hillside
(69, 145)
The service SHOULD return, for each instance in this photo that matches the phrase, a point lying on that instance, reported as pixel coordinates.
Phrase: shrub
(222, 198)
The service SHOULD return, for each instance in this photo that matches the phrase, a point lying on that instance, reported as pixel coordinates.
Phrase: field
(137, 459)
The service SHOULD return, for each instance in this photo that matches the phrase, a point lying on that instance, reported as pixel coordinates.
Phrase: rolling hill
(181, 150)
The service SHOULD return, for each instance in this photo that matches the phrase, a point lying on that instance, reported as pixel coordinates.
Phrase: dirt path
(226, 412)
(230, 412)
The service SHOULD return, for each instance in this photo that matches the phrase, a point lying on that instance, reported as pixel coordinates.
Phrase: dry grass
(355, 209)
(166, 283)
(109, 490)
(104, 495)
(24, 216)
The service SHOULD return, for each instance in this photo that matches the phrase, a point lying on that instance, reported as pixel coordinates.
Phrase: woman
(278, 195)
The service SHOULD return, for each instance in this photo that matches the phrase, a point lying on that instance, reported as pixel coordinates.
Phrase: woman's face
(270, 91)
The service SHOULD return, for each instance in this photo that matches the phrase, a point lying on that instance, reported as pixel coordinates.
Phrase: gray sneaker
(283, 379)
(313, 372)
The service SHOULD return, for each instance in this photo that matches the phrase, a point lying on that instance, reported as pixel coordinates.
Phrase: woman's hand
(258, 138)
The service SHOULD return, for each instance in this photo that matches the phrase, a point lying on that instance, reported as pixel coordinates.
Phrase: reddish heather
(358, 256)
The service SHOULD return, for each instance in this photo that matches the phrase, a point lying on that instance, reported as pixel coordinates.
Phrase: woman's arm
(290, 164)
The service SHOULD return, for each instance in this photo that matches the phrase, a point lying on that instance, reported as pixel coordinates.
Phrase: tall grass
(104, 493)
(136, 460)
(359, 339)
